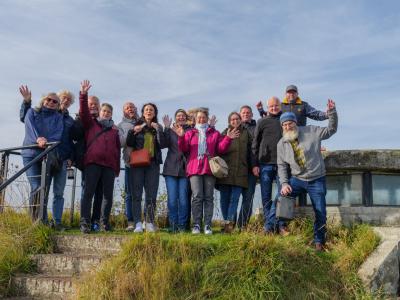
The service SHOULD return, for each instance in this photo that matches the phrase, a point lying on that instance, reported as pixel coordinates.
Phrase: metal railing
(40, 194)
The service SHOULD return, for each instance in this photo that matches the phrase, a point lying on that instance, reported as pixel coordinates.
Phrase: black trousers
(96, 175)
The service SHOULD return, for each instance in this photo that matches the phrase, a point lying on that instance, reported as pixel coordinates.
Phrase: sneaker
(59, 227)
(131, 227)
(207, 229)
(319, 247)
(150, 227)
(95, 227)
(138, 227)
(105, 227)
(181, 228)
(228, 228)
(196, 229)
(283, 231)
(85, 228)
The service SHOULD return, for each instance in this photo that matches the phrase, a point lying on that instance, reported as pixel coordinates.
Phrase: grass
(19, 238)
(238, 266)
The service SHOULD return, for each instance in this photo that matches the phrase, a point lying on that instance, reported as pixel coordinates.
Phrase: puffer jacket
(105, 149)
(216, 144)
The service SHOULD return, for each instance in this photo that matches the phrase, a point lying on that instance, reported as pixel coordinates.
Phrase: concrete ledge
(381, 270)
(386, 216)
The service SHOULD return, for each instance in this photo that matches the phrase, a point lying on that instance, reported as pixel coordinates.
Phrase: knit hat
(180, 110)
(288, 116)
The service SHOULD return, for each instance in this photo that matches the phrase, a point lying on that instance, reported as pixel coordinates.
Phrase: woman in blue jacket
(43, 124)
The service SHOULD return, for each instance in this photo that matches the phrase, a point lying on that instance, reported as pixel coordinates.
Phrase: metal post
(42, 193)
(3, 176)
(72, 211)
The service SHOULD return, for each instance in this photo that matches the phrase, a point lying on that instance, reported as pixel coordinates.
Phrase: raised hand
(213, 120)
(167, 121)
(259, 105)
(331, 104)
(178, 130)
(26, 93)
(85, 86)
(138, 128)
(233, 133)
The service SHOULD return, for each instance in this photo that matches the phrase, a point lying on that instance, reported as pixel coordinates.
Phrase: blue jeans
(316, 189)
(34, 178)
(178, 201)
(230, 195)
(269, 173)
(247, 201)
(59, 181)
(128, 196)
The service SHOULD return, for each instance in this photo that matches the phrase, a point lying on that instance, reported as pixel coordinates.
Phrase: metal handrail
(51, 145)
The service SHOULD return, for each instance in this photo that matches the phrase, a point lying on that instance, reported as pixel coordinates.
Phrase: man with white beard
(300, 150)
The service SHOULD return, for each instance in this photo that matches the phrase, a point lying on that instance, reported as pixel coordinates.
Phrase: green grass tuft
(19, 238)
(237, 266)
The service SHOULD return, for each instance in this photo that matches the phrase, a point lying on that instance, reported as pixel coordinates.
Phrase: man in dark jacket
(267, 134)
(293, 103)
(64, 150)
(249, 123)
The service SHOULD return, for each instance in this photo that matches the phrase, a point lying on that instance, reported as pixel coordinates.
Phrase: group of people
(278, 148)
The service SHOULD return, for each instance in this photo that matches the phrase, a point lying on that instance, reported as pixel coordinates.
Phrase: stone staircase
(59, 272)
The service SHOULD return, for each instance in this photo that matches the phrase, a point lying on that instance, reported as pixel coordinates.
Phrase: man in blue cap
(299, 151)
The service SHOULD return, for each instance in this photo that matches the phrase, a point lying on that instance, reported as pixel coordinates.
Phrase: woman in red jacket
(102, 158)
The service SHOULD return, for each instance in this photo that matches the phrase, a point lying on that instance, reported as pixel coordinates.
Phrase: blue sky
(220, 54)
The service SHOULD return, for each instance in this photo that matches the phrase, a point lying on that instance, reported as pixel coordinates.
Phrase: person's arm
(131, 139)
(167, 138)
(159, 134)
(256, 142)
(327, 132)
(84, 113)
(314, 114)
(31, 130)
(26, 103)
(283, 166)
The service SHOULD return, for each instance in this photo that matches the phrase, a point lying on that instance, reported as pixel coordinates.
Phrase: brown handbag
(140, 158)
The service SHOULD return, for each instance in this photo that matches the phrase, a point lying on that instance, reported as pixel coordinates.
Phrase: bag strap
(96, 136)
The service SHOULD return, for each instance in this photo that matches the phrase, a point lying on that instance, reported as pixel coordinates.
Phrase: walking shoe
(196, 229)
(95, 227)
(105, 227)
(181, 228)
(283, 231)
(207, 229)
(150, 227)
(59, 227)
(319, 247)
(131, 226)
(138, 227)
(85, 228)
(228, 228)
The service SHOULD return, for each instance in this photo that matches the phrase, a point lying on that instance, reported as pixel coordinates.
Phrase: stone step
(65, 264)
(89, 244)
(41, 286)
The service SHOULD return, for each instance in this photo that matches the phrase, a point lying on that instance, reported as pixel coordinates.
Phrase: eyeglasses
(54, 101)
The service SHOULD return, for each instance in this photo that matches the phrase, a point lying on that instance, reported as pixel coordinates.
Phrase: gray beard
(290, 136)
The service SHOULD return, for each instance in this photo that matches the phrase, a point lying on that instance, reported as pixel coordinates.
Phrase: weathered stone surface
(89, 244)
(360, 160)
(67, 264)
(44, 286)
(381, 269)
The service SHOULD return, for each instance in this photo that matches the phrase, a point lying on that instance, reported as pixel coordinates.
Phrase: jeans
(147, 178)
(95, 174)
(128, 195)
(203, 198)
(59, 181)
(316, 189)
(178, 201)
(269, 173)
(230, 195)
(34, 178)
(247, 201)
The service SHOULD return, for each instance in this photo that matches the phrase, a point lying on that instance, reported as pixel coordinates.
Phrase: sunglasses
(52, 100)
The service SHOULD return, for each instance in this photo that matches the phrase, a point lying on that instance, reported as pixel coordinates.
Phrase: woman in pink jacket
(199, 144)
